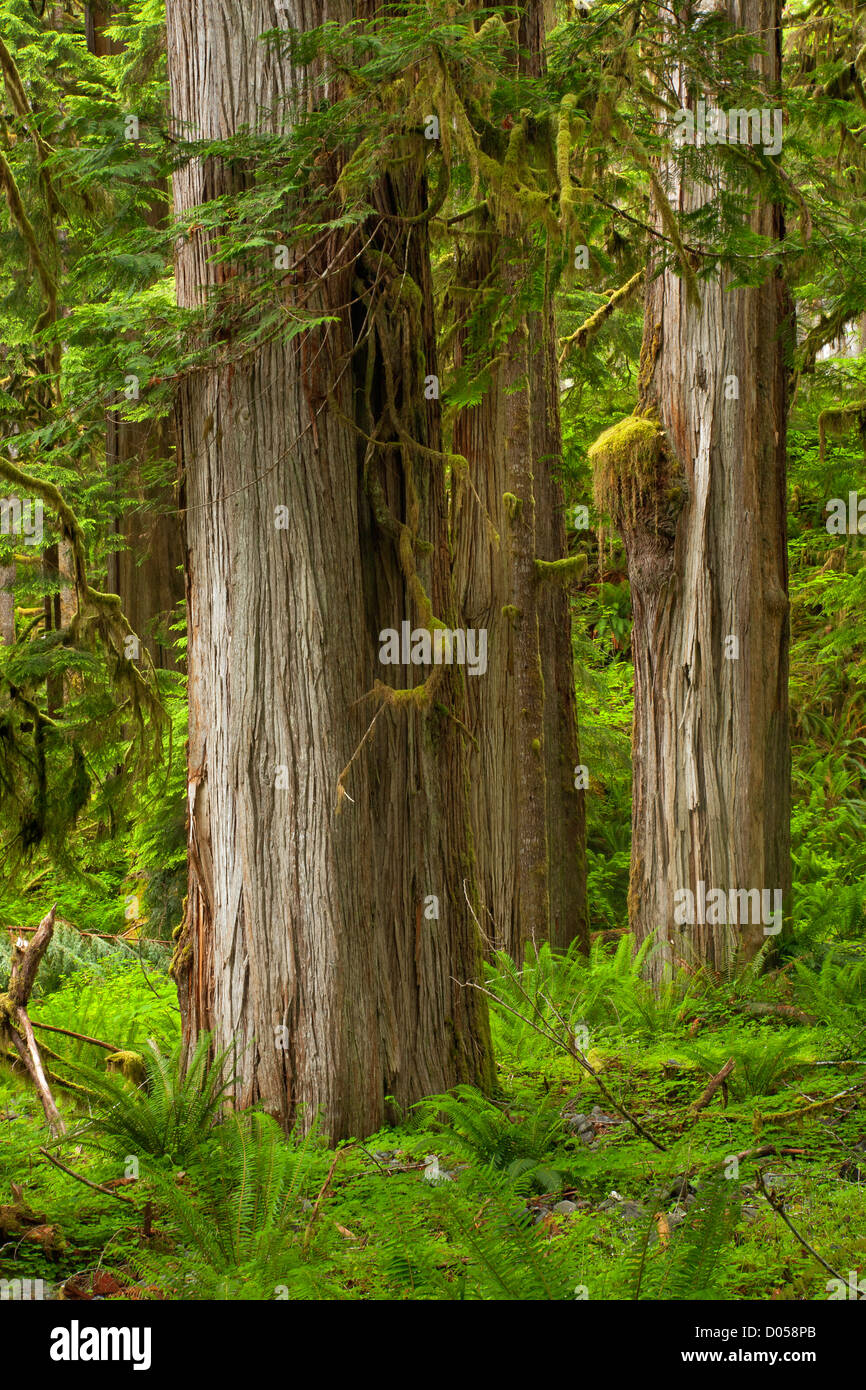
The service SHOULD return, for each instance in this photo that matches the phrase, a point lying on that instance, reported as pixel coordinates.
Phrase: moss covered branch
(581, 336)
(566, 571)
(99, 614)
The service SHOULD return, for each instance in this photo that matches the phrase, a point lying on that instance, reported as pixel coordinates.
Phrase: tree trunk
(328, 951)
(708, 568)
(566, 804)
(53, 621)
(519, 466)
(480, 531)
(96, 20)
(146, 570)
(528, 818)
(7, 604)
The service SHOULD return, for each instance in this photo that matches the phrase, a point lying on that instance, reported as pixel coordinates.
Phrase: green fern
(524, 1144)
(239, 1217)
(690, 1266)
(762, 1059)
(169, 1116)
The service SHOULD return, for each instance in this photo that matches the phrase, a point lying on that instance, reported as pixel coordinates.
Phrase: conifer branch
(581, 336)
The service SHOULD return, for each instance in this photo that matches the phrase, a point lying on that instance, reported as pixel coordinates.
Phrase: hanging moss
(839, 422)
(632, 469)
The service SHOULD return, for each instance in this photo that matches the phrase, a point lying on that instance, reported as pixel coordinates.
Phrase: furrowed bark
(480, 529)
(306, 949)
(528, 818)
(708, 562)
(520, 464)
(566, 805)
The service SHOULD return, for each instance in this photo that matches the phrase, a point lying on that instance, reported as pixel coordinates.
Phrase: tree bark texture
(528, 817)
(310, 947)
(708, 568)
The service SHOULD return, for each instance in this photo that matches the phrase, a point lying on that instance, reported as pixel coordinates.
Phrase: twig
(97, 1187)
(342, 794)
(491, 945)
(322, 1190)
(590, 1070)
(779, 1209)
(718, 1080)
(548, 1033)
(82, 1037)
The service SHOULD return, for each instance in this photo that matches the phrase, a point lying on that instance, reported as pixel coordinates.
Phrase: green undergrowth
(561, 1185)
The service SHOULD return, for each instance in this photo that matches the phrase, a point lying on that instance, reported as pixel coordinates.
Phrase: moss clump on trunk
(633, 469)
(131, 1064)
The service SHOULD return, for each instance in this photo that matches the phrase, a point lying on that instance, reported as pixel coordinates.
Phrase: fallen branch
(322, 1190)
(15, 1025)
(779, 1209)
(810, 1109)
(97, 1187)
(718, 1080)
(15, 1061)
(764, 1151)
(103, 935)
(545, 1031)
(81, 1037)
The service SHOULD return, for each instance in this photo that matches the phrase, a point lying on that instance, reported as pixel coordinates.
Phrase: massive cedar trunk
(311, 947)
(708, 562)
(498, 589)
(528, 818)
(568, 920)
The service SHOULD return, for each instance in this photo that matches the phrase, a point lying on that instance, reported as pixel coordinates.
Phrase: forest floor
(544, 1191)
